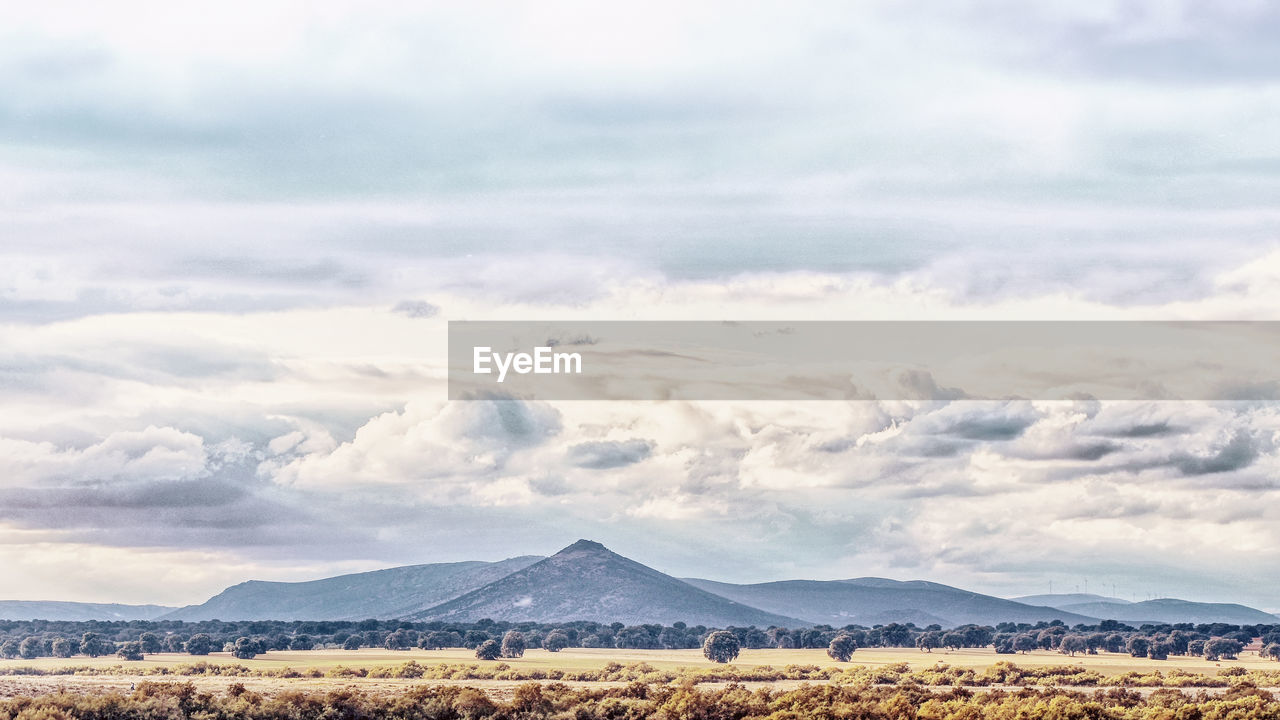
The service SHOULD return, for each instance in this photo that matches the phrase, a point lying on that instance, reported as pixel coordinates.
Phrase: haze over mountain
(868, 601)
(382, 594)
(1172, 610)
(77, 611)
(586, 581)
(1058, 600)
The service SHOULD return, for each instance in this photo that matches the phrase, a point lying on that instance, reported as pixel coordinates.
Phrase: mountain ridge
(587, 581)
(866, 601)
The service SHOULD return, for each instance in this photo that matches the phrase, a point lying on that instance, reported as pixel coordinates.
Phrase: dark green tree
(555, 641)
(31, 647)
(200, 644)
(130, 651)
(150, 643)
(93, 645)
(842, 647)
(721, 646)
(245, 648)
(513, 644)
(489, 650)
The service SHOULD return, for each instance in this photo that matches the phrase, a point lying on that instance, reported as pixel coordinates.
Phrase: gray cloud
(417, 309)
(609, 454)
(1239, 452)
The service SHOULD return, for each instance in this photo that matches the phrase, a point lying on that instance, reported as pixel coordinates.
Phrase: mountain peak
(584, 546)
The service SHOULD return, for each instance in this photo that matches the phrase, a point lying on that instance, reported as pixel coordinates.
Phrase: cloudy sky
(231, 238)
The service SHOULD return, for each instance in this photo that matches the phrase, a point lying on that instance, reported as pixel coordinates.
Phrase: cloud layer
(230, 250)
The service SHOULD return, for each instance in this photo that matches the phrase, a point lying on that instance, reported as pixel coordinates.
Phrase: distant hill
(1171, 610)
(868, 601)
(381, 594)
(1058, 600)
(75, 611)
(586, 581)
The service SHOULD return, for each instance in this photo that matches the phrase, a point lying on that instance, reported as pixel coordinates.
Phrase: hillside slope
(868, 601)
(382, 594)
(77, 611)
(586, 581)
(1172, 610)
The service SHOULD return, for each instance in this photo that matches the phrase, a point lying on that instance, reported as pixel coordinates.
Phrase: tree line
(133, 640)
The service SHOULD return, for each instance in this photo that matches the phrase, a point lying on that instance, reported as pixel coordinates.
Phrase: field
(107, 673)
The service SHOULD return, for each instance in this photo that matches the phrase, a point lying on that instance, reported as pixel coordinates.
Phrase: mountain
(382, 594)
(75, 611)
(1171, 610)
(869, 601)
(1060, 600)
(586, 581)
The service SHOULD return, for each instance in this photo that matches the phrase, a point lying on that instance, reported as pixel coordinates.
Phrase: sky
(231, 238)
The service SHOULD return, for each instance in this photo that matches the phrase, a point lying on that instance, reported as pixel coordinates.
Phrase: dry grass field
(594, 659)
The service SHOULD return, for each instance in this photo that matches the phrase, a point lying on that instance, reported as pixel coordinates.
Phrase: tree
(842, 647)
(1138, 646)
(1158, 651)
(173, 643)
(928, 641)
(435, 640)
(301, 642)
(721, 646)
(1114, 643)
(513, 644)
(244, 648)
(953, 640)
(1222, 648)
(400, 639)
(1024, 643)
(9, 649)
(130, 651)
(1272, 651)
(1072, 644)
(489, 650)
(93, 645)
(200, 644)
(1195, 647)
(150, 643)
(555, 641)
(351, 643)
(61, 648)
(31, 647)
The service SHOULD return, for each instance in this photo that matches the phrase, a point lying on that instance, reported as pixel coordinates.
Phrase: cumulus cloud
(210, 290)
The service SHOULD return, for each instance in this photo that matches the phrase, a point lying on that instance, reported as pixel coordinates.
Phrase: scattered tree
(555, 641)
(513, 644)
(130, 651)
(489, 650)
(1072, 644)
(842, 647)
(200, 644)
(31, 647)
(150, 643)
(721, 646)
(244, 648)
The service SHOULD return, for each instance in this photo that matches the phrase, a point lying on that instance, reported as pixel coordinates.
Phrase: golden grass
(593, 659)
